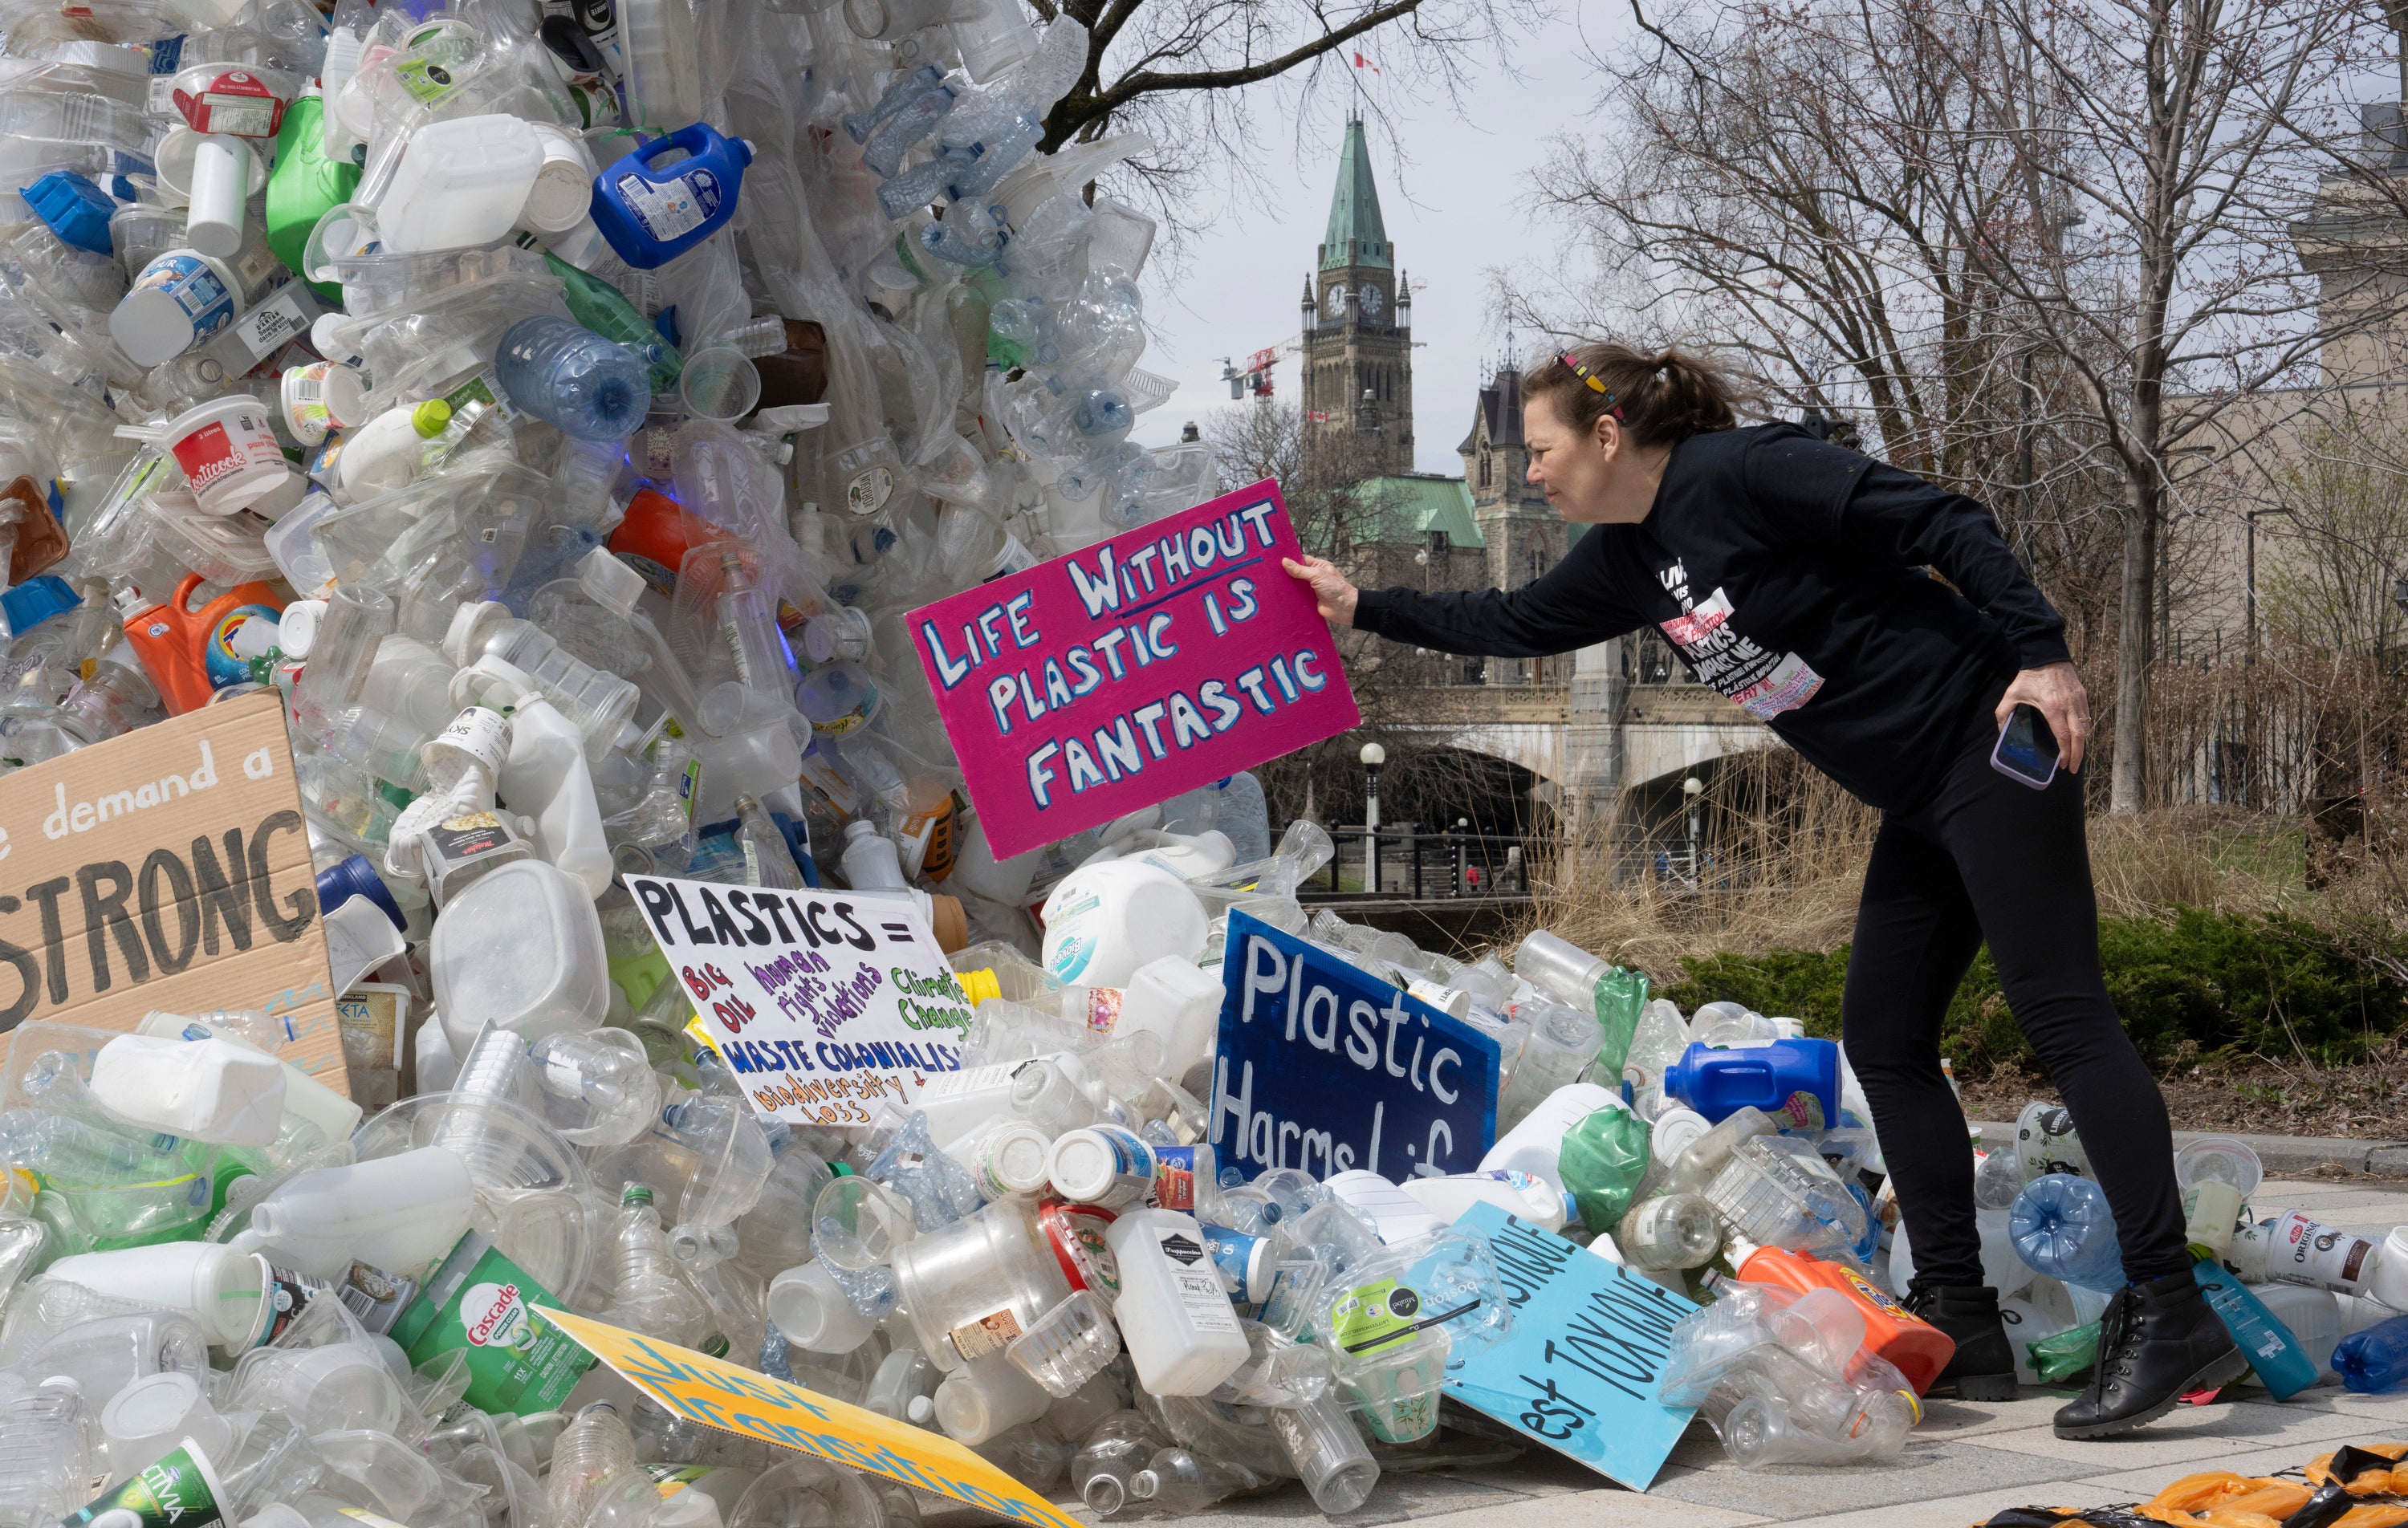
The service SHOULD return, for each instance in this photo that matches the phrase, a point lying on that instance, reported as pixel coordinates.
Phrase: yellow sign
(717, 1393)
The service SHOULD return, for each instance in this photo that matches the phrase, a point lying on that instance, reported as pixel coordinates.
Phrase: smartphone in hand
(2027, 751)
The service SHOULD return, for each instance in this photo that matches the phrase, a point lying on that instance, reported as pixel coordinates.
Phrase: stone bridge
(1616, 741)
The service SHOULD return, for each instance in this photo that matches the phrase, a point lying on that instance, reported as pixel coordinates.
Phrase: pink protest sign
(1113, 677)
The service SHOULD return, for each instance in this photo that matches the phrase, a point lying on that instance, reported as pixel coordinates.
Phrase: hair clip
(1582, 372)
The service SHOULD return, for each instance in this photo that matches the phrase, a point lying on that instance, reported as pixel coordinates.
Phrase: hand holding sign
(1106, 681)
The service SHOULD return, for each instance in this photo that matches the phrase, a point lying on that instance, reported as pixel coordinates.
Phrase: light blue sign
(1323, 1066)
(1580, 1368)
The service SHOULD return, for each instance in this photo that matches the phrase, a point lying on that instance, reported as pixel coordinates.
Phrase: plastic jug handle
(184, 592)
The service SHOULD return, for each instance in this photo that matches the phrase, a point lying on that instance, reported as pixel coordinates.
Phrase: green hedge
(2228, 984)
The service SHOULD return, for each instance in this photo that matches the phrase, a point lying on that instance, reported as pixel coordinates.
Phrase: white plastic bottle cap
(1017, 1160)
(296, 630)
(1082, 1166)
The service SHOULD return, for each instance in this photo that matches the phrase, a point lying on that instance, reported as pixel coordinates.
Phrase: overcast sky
(1452, 207)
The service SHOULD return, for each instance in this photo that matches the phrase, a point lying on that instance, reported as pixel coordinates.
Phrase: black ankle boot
(1983, 1367)
(2158, 1342)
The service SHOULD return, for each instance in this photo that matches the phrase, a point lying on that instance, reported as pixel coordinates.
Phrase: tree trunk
(2134, 630)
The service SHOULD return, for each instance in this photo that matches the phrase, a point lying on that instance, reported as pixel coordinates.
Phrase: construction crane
(1254, 377)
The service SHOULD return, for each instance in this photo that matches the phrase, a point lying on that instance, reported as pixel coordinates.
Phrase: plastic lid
(979, 985)
(1082, 1165)
(296, 630)
(462, 633)
(150, 1406)
(635, 1193)
(36, 600)
(1019, 1162)
(76, 210)
(430, 418)
(860, 827)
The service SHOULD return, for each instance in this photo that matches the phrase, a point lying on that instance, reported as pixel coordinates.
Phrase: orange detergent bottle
(1919, 1348)
(189, 653)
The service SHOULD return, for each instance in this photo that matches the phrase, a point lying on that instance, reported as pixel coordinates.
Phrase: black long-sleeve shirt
(1789, 574)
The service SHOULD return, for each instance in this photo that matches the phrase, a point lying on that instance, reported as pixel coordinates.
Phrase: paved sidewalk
(2280, 1153)
(1964, 1462)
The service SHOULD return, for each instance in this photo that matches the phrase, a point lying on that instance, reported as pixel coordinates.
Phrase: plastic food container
(180, 299)
(229, 454)
(321, 396)
(521, 949)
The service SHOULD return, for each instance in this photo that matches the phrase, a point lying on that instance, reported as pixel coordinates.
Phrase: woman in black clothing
(1883, 629)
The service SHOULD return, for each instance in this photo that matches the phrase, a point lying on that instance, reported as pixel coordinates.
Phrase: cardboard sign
(1325, 1067)
(1582, 1365)
(1106, 681)
(717, 1393)
(828, 1005)
(167, 870)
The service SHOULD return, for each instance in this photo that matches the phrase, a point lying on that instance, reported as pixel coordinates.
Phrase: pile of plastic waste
(557, 408)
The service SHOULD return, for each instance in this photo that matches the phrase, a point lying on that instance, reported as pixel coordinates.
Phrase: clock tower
(1358, 374)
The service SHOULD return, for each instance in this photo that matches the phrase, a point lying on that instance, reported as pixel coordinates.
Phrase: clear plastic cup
(719, 383)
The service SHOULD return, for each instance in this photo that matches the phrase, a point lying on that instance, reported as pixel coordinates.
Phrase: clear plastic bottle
(567, 376)
(651, 1297)
(1669, 1231)
(1179, 1481)
(51, 1450)
(598, 701)
(1326, 1450)
(592, 1450)
(2063, 1228)
(1562, 1042)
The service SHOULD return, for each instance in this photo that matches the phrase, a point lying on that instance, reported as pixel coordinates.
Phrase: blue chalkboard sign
(1325, 1066)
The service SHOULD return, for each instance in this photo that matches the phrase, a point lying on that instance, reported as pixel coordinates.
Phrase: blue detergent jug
(2262, 1337)
(653, 213)
(1795, 1082)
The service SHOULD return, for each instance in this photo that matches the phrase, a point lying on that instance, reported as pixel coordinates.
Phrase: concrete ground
(1963, 1463)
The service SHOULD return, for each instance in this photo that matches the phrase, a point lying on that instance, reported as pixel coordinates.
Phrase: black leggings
(1990, 857)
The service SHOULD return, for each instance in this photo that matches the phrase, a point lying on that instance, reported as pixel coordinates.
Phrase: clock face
(1372, 300)
(1334, 300)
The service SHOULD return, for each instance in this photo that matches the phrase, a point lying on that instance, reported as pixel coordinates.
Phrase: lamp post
(1373, 756)
(1691, 789)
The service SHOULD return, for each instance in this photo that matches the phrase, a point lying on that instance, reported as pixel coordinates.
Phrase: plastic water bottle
(572, 377)
(2062, 1227)
(2374, 1360)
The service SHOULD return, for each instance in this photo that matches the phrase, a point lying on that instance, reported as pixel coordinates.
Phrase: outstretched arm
(1571, 605)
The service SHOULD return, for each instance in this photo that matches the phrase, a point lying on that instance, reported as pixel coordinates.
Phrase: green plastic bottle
(304, 185)
(605, 309)
(1621, 998)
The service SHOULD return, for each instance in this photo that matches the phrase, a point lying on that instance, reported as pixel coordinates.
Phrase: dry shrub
(1789, 850)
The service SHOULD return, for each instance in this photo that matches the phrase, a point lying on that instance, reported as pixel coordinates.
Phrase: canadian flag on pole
(1362, 62)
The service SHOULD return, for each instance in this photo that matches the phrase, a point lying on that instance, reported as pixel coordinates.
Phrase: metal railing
(1422, 863)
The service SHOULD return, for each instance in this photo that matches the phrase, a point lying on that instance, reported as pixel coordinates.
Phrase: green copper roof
(1410, 508)
(1356, 235)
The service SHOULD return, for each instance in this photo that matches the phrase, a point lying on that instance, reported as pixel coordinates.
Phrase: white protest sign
(826, 1004)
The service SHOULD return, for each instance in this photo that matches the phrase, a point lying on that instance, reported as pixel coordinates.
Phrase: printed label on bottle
(1200, 1292)
(235, 103)
(669, 210)
(1802, 1112)
(179, 1492)
(481, 392)
(1076, 1233)
(989, 1334)
(1244, 1262)
(1374, 1316)
(868, 491)
(482, 735)
(426, 81)
(1174, 1174)
(2306, 1251)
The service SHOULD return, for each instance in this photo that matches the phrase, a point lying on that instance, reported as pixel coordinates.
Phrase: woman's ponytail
(1659, 399)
